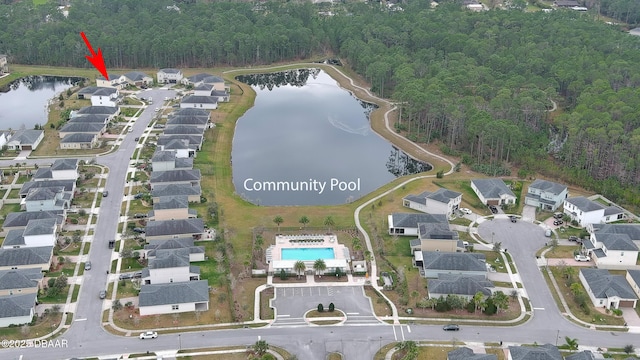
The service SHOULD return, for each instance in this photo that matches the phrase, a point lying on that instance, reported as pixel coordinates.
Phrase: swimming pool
(307, 254)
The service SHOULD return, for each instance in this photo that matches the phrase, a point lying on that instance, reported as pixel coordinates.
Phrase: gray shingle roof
(178, 243)
(25, 256)
(67, 184)
(542, 352)
(175, 227)
(440, 195)
(78, 138)
(464, 353)
(212, 79)
(43, 173)
(183, 130)
(177, 144)
(106, 110)
(42, 194)
(171, 202)
(89, 118)
(26, 136)
(604, 285)
(136, 75)
(19, 279)
(17, 305)
(584, 204)
(175, 175)
(198, 77)
(172, 258)
(169, 71)
(40, 227)
(184, 163)
(174, 293)
(199, 99)
(548, 186)
(435, 260)
(192, 112)
(204, 87)
(635, 276)
(616, 241)
(632, 230)
(104, 91)
(459, 285)
(88, 90)
(612, 210)
(163, 155)
(14, 238)
(492, 188)
(64, 164)
(187, 120)
(582, 355)
(175, 189)
(411, 220)
(436, 231)
(22, 218)
(193, 139)
(80, 127)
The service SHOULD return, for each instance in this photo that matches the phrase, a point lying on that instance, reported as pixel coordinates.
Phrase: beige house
(26, 258)
(170, 266)
(174, 298)
(172, 208)
(436, 237)
(17, 282)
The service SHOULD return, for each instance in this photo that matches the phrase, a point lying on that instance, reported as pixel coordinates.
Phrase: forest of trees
(482, 84)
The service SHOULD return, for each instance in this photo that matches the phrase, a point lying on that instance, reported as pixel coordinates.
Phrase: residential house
(170, 266)
(168, 229)
(88, 128)
(436, 236)
(493, 192)
(633, 278)
(607, 290)
(465, 286)
(37, 233)
(61, 169)
(17, 309)
(464, 353)
(189, 120)
(86, 92)
(203, 78)
(540, 352)
(200, 102)
(586, 211)
(79, 141)
(68, 185)
(194, 141)
(25, 139)
(196, 253)
(174, 298)
(90, 118)
(223, 96)
(137, 78)
(164, 160)
(433, 263)
(115, 81)
(181, 147)
(26, 258)
(17, 282)
(193, 112)
(611, 246)
(192, 193)
(169, 76)
(196, 79)
(441, 201)
(406, 224)
(183, 176)
(46, 199)
(4, 138)
(172, 208)
(4, 64)
(105, 97)
(546, 195)
(582, 355)
(19, 220)
(110, 111)
(203, 90)
(183, 130)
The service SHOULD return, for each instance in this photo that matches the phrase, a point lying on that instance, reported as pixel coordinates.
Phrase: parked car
(105, 193)
(547, 233)
(451, 327)
(573, 238)
(513, 218)
(558, 222)
(138, 230)
(149, 335)
(558, 215)
(126, 276)
(102, 294)
(136, 139)
(493, 209)
(582, 258)
(87, 265)
(465, 211)
(137, 274)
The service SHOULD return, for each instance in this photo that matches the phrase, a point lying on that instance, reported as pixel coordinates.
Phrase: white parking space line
(538, 308)
(409, 329)
(395, 336)
(402, 332)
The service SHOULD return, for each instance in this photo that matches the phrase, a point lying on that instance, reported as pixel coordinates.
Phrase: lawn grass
(380, 305)
(266, 311)
(562, 252)
(61, 298)
(44, 325)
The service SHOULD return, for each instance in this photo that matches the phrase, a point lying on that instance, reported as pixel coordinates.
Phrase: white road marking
(395, 336)
(409, 329)
(402, 332)
(284, 315)
(538, 308)
(85, 319)
(353, 313)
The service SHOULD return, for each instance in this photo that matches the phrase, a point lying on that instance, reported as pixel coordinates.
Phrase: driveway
(292, 303)
(529, 213)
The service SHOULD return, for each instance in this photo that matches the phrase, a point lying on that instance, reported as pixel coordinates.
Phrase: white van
(547, 233)
(130, 129)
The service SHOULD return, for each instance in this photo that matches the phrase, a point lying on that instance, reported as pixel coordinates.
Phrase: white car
(582, 258)
(149, 335)
(466, 211)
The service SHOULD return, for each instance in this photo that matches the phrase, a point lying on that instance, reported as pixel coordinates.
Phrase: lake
(25, 101)
(307, 141)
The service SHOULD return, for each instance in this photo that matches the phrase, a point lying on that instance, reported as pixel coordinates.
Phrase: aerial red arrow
(95, 59)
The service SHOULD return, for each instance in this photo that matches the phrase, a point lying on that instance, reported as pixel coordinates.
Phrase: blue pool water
(307, 254)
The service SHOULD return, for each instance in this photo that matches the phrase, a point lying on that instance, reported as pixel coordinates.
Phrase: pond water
(24, 101)
(306, 141)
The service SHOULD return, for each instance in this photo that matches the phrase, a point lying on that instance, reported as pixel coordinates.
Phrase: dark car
(513, 218)
(105, 193)
(493, 209)
(126, 276)
(138, 230)
(136, 139)
(451, 327)
(558, 222)
(558, 215)
(102, 294)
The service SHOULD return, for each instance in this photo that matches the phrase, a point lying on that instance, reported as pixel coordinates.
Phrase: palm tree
(319, 266)
(328, 222)
(478, 298)
(304, 220)
(572, 344)
(500, 300)
(569, 272)
(278, 220)
(299, 267)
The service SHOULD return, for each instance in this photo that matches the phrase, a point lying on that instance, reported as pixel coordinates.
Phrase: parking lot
(293, 302)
